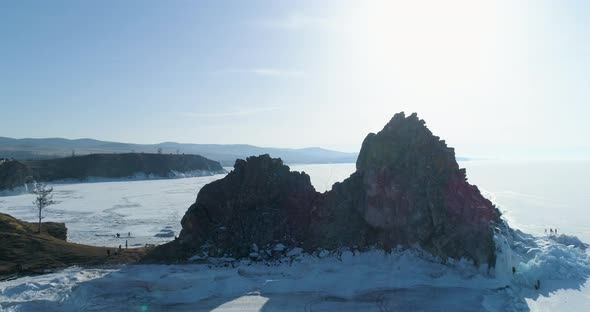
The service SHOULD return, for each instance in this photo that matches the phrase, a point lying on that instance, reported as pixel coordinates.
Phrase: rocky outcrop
(407, 190)
(260, 202)
(24, 251)
(110, 166)
(9, 224)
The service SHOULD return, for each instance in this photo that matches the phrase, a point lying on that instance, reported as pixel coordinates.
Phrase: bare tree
(44, 199)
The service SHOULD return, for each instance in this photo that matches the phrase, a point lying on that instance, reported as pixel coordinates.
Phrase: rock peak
(408, 190)
(401, 118)
(400, 142)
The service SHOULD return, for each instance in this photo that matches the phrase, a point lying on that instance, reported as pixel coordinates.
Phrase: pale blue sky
(495, 79)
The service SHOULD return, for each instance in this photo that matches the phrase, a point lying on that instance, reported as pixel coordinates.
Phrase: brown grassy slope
(10, 224)
(23, 250)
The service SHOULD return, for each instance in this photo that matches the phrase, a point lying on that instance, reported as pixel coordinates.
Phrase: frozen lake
(537, 195)
(95, 212)
(532, 195)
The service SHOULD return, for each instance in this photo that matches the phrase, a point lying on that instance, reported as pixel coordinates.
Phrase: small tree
(44, 199)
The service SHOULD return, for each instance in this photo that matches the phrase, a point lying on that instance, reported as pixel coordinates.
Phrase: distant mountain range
(226, 154)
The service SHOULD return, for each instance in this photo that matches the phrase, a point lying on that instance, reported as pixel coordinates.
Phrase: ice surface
(554, 265)
(348, 281)
(568, 240)
(343, 280)
(95, 212)
(537, 195)
(531, 198)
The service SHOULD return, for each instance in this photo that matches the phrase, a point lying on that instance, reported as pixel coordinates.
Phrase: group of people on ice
(118, 235)
(537, 284)
(551, 231)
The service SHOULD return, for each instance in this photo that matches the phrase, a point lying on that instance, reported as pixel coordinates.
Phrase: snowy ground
(373, 281)
(404, 280)
(95, 212)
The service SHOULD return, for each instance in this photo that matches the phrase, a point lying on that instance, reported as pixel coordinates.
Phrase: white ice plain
(95, 212)
(346, 280)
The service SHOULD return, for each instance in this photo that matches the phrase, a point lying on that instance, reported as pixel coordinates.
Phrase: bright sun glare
(436, 47)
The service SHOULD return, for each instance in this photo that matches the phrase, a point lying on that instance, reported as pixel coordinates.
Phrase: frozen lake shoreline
(145, 208)
(370, 281)
(95, 212)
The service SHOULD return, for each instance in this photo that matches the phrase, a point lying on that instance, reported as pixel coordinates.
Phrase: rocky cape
(15, 174)
(407, 190)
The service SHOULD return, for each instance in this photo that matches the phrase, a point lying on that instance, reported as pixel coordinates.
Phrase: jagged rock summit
(407, 190)
(259, 202)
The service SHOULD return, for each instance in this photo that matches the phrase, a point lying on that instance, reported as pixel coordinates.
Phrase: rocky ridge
(14, 174)
(407, 190)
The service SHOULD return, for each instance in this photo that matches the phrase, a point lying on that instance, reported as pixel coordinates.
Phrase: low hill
(226, 154)
(9, 224)
(15, 173)
(23, 251)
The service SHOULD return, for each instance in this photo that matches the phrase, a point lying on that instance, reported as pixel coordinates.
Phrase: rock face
(260, 202)
(407, 190)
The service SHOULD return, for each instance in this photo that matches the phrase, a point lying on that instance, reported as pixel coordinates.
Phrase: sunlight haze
(303, 155)
(503, 79)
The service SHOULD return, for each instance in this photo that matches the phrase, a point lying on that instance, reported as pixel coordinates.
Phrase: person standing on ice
(545, 231)
(551, 231)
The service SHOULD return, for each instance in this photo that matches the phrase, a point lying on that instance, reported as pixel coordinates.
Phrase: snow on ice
(345, 281)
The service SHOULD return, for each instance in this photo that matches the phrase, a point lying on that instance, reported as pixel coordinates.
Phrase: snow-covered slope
(348, 281)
